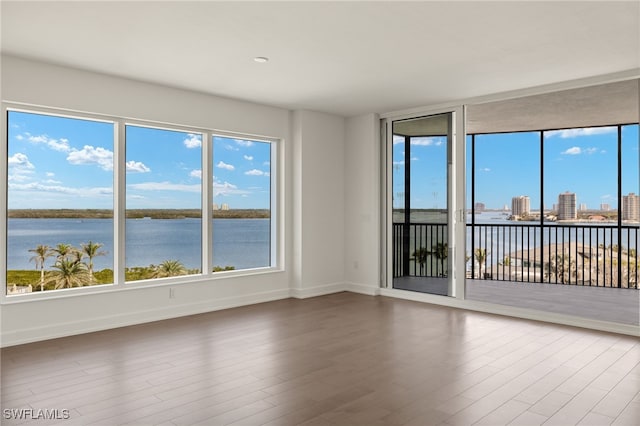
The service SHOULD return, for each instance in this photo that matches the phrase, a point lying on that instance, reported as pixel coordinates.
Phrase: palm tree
(42, 252)
(68, 273)
(63, 250)
(169, 268)
(441, 252)
(481, 257)
(420, 256)
(92, 250)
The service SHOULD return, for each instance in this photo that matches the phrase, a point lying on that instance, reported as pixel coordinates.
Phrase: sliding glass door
(420, 150)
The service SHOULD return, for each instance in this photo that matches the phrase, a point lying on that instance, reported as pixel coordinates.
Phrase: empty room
(320, 213)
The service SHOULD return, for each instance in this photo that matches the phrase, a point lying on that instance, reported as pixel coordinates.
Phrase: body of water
(242, 243)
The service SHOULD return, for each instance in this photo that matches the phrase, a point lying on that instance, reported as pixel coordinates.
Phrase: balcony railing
(577, 254)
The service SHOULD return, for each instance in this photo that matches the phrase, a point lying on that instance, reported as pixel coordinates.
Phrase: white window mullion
(119, 200)
(4, 187)
(207, 203)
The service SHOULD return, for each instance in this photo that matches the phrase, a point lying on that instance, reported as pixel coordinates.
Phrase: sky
(56, 162)
(582, 161)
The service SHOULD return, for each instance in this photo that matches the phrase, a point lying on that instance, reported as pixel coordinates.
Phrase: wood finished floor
(342, 359)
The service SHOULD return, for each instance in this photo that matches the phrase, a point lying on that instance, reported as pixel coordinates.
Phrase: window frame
(119, 203)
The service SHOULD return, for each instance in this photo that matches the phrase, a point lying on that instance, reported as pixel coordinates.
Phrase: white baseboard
(632, 330)
(369, 290)
(89, 325)
(318, 290)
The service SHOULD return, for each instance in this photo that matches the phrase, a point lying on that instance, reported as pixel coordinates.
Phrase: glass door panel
(420, 198)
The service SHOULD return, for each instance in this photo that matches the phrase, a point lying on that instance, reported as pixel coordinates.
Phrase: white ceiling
(346, 58)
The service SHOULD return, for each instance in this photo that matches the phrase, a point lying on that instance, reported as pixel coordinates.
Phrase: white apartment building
(567, 206)
(520, 206)
(631, 207)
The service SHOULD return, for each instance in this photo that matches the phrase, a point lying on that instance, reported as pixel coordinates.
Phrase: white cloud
(61, 145)
(574, 150)
(137, 167)
(266, 163)
(256, 172)
(20, 168)
(91, 155)
(243, 142)
(427, 141)
(193, 141)
(165, 186)
(485, 169)
(196, 174)
(223, 165)
(20, 160)
(398, 139)
(80, 192)
(248, 158)
(50, 174)
(574, 133)
(231, 148)
(226, 188)
(52, 182)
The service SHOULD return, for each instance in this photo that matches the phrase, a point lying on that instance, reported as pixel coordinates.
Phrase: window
(241, 203)
(60, 202)
(74, 222)
(163, 229)
(585, 230)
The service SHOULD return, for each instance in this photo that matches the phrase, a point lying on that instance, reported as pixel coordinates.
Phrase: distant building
(225, 206)
(520, 206)
(505, 208)
(631, 207)
(567, 206)
(605, 207)
(480, 207)
(583, 207)
(216, 207)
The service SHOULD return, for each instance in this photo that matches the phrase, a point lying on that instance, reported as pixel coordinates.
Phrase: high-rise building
(480, 207)
(583, 207)
(520, 206)
(567, 206)
(225, 206)
(605, 207)
(631, 207)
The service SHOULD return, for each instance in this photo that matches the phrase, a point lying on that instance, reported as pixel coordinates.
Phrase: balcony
(578, 269)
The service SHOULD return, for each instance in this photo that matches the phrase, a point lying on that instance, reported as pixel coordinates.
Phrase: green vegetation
(70, 272)
(136, 214)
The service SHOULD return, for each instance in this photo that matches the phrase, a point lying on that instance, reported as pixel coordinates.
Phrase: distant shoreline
(135, 214)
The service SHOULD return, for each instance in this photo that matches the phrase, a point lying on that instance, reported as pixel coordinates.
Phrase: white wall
(318, 174)
(362, 203)
(313, 190)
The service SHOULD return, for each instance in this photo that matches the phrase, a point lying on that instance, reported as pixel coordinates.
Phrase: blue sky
(583, 161)
(428, 172)
(58, 162)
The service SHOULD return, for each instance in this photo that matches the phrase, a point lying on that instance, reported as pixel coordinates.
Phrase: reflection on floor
(604, 304)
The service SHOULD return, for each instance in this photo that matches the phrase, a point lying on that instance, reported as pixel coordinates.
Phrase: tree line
(136, 213)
